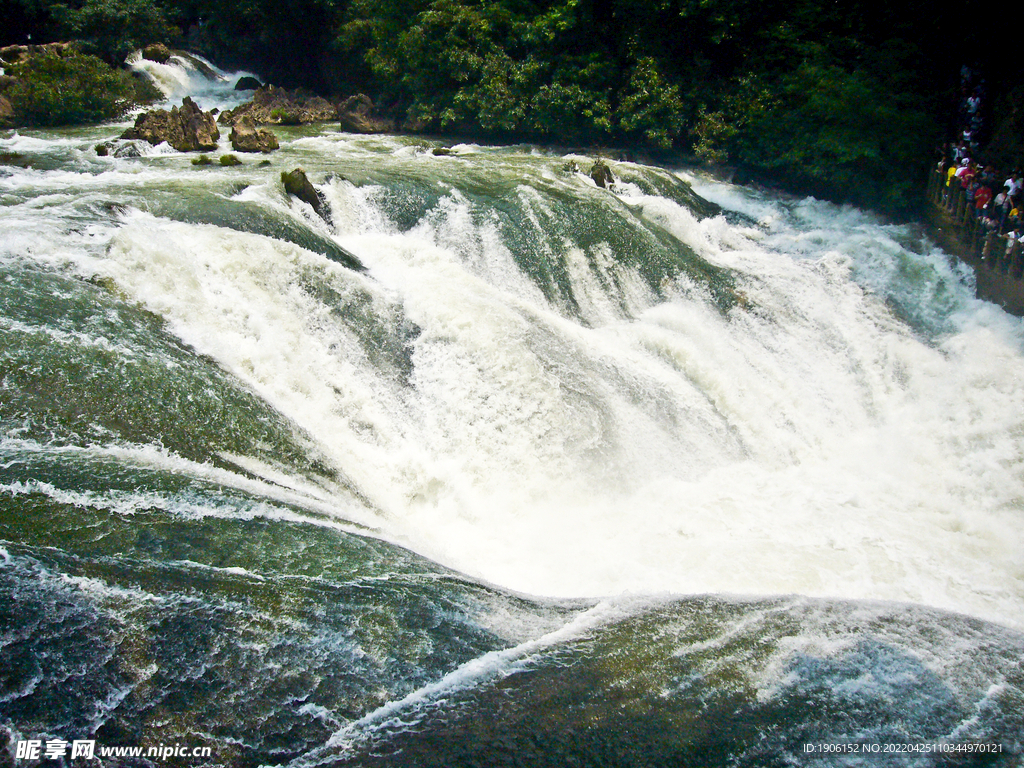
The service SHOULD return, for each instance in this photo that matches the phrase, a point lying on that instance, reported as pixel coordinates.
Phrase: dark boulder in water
(187, 129)
(602, 174)
(157, 52)
(297, 183)
(248, 83)
(15, 159)
(246, 137)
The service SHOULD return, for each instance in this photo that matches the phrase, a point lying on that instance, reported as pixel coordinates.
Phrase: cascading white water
(191, 75)
(214, 429)
(808, 441)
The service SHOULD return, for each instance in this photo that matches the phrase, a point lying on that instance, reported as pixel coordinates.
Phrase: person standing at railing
(970, 193)
(1013, 220)
(982, 197)
(1001, 209)
(965, 173)
(1014, 185)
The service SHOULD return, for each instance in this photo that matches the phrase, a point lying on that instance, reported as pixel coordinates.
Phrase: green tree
(69, 90)
(112, 29)
(651, 106)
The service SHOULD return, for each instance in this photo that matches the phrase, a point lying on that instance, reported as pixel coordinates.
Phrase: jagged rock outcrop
(246, 137)
(357, 114)
(602, 174)
(277, 106)
(187, 129)
(296, 183)
(157, 52)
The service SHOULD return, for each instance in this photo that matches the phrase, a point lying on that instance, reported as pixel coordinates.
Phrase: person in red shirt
(966, 173)
(982, 197)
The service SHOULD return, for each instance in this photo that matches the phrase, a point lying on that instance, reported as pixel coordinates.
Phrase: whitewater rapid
(848, 424)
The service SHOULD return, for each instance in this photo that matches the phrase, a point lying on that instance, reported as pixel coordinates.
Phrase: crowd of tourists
(974, 189)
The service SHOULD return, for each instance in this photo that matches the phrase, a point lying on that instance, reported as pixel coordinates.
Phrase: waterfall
(559, 460)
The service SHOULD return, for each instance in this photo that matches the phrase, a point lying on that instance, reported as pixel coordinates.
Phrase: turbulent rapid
(488, 464)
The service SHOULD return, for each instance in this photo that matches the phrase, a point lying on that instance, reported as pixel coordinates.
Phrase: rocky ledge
(246, 137)
(358, 114)
(277, 106)
(187, 129)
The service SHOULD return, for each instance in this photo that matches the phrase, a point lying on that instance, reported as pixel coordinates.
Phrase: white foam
(806, 441)
(180, 76)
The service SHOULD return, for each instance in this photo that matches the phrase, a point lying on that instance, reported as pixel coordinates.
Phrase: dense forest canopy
(843, 100)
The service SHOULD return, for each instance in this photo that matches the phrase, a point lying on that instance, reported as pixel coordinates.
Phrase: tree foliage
(69, 90)
(111, 29)
(823, 96)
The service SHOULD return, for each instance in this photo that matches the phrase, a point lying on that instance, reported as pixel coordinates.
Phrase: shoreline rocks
(357, 114)
(6, 113)
(12, 54)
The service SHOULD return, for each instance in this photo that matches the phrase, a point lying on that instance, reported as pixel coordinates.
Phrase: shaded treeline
(842, 100)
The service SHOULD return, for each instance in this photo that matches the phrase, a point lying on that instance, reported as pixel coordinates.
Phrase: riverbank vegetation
(65, 87)
(817, 96)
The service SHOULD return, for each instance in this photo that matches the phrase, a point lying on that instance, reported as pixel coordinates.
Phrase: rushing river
(488, 465)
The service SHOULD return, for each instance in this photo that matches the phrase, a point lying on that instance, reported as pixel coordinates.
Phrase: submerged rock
(297, 183)
(187, 129)
(15, 159)
(246, 137)
(127, 149)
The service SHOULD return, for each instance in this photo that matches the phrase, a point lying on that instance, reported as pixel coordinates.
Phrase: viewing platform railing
(983, 239)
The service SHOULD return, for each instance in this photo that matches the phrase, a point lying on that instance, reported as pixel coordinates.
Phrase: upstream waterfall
(490, 465)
